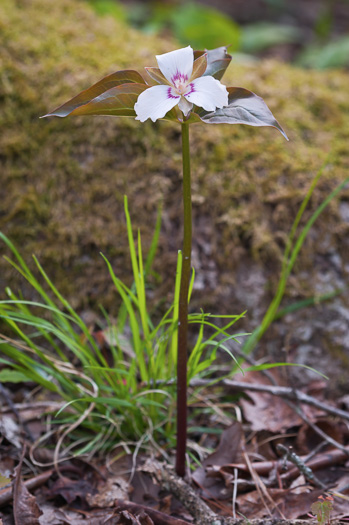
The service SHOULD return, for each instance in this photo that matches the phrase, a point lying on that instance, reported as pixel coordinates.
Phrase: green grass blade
(272, 310)
(191, 284)
(77, 318)
(311, 301)
(268, 366)
(174, 342)
(300, 214)
(154, 243)
(142, 306)
(136, 336)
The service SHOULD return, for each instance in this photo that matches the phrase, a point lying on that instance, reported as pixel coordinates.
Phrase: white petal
(185, 106)
(177, 65)
(155, 102)
(208, 93)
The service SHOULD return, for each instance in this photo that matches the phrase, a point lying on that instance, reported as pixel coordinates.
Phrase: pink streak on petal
(208, 93)
(190, 89)
(155, 102)
(179, 78)
(170, 94)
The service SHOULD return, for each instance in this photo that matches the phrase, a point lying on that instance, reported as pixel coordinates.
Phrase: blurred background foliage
(311, 33)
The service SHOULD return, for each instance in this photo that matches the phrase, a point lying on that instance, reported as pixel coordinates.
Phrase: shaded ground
(253, 473)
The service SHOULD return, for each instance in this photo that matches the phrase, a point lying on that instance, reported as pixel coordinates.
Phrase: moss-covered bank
(63, 181)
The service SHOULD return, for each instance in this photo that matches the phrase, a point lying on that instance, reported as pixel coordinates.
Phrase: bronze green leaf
(244, 108)
(199, 67)
(118, 101)
(217, 61)
(124, 77)
(155, 74)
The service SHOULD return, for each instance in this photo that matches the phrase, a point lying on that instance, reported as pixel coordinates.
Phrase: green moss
(65, 179)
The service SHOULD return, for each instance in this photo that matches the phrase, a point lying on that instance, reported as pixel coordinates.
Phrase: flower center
(179, 82)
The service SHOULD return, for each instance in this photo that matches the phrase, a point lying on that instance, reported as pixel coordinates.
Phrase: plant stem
(183, 309)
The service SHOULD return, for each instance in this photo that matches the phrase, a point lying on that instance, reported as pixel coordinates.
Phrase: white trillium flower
(179, 85)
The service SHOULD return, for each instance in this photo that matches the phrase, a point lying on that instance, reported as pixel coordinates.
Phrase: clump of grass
(116, 383)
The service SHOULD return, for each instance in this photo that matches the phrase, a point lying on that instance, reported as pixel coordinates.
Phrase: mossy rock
(64, 179)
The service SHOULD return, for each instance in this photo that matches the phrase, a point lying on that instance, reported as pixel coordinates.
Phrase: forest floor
(282, 454)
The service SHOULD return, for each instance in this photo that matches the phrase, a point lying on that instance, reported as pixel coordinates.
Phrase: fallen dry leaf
(71, 489)
(291, 505)
(265, 411)
(25, 509)
(308, 439)
(126, 518)
(55, 516)
(228, 451)
(68, 516)
(114, 488)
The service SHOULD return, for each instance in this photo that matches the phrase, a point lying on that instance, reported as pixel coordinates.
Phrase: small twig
(177, 486)
(260, 487)
(279, 391)
(299, 463)
(32, 483)
(160, 518)
(315, 451)
(274, 390)
(202, 514)
(235, 491)
(332, 457)
(38, 405)
(322, 461)
(317, 429)
(287, 394)
(299, 396)
(290, 393)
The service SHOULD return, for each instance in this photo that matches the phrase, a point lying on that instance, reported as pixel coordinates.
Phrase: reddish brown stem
(183, 309)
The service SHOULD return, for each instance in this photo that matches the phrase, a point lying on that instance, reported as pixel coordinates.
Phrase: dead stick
(333, 457)
(179, 488)
(287, 394)
(301, 466)
(275, 390)
(325, 460)
(301, 397)
(315, 427)
(160, 518)
(31, 484)
(279, 391)
(202, 514)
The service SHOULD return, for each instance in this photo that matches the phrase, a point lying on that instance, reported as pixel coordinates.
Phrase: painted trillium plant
(198, 98)
(185, 88)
